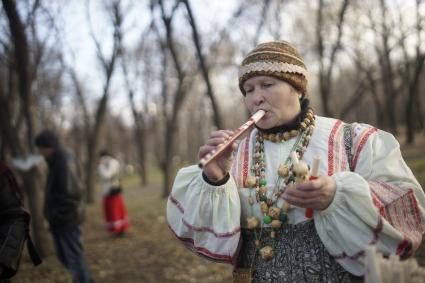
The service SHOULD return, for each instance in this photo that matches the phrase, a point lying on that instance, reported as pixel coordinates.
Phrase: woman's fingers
(219, 167)
(304, 202)
(216, 139)
(204, 150)
(224, 134)
(317, 194)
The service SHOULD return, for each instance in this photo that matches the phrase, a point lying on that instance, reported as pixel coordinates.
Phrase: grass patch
(155, 176)
(417, 165)
(130, 181)
(134, 181)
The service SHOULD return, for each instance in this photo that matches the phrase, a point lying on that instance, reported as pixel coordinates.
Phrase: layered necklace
(272, 213)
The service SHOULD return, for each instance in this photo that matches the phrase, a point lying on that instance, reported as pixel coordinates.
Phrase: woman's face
(278, 98)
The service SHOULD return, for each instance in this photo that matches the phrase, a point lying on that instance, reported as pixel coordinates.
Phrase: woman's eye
(248, 90)
(267, 84)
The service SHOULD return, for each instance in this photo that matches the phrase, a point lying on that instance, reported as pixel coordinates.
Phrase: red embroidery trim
(416, 208)
(331, 147)
(204, 251)
(207, 229)
(336, 151)
(374, 240)
(246, 159)
(361, 145)
(402, 246)
(203, 229)
(176, 203)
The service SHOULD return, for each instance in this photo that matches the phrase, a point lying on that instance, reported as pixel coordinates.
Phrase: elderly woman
(249, 208)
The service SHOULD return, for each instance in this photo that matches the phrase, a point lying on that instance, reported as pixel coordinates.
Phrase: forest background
(149, 80)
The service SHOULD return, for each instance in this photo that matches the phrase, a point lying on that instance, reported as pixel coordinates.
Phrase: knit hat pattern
(278, 59)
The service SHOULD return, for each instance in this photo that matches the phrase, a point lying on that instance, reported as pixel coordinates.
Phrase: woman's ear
(300, 95)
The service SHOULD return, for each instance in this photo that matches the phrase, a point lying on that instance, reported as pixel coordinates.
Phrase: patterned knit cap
(278, 59)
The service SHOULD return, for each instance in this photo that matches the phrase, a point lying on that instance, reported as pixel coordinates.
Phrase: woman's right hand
(217, 169)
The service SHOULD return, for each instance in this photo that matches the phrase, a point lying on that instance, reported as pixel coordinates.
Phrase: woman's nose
(258, 97)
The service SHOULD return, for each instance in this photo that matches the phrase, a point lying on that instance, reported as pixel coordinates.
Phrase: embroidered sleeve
(205, 218)
(379, 203)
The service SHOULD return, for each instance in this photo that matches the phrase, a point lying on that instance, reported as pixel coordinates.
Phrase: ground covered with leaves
(150, 253)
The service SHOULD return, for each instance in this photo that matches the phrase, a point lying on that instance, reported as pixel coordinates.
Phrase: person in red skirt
(114, 208)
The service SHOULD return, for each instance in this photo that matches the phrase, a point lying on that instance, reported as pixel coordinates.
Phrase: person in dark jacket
(63, 206)
(14, 226)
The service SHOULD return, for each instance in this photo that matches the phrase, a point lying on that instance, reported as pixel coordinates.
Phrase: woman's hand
(217, 169)
(317, 194)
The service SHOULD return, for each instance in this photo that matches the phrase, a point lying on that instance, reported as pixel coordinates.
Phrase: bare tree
(169, 48)
(326, 70)
(140, 131)
(81, 100)
(81, 126)
(413, 69)
(276, 28)
(383, 51)
(205, 70)
(31, 178)
(21, 55)
(372, 81)
(108, 65)
(263, 20)
(367, 79)
(140, 128)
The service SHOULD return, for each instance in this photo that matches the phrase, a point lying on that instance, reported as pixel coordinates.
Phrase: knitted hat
(278, 59)
(47, 139)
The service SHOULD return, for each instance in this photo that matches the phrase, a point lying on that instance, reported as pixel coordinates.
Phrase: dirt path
(149, 253)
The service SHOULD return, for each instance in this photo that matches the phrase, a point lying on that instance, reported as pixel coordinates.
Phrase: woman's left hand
(317, 194)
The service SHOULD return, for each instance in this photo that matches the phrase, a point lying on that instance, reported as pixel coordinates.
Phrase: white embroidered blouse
(108, 170)
(377, 202)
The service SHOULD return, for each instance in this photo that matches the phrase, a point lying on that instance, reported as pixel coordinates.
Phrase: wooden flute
(238, 133)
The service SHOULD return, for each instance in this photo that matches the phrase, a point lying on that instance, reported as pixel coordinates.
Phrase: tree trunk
(32, 184)
(92, 143)
(325, 73)
(421, 117)
(31, 180)
(108, 68)
(387, 73)
(413, 94)
(90, 169)
(378, 107)
(168, 161)
(410, 121)
(167, 167)
(140, 139)
(171, 120)
(412, 98)
(263, 19)
(139, 126)
(22, 62)
(218, 122)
